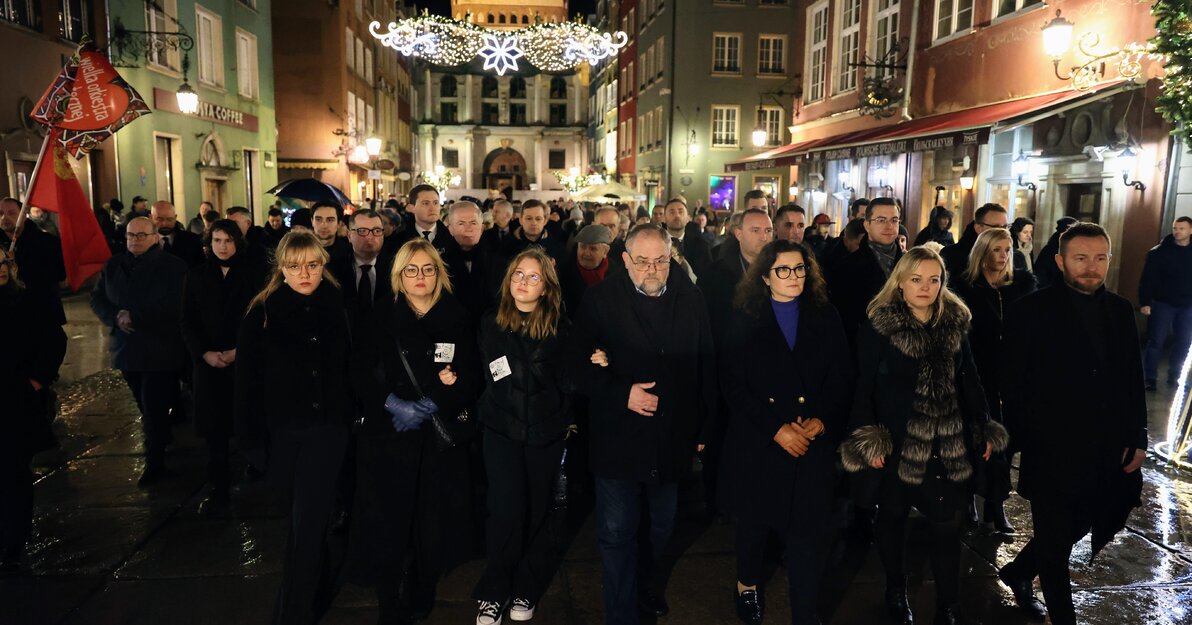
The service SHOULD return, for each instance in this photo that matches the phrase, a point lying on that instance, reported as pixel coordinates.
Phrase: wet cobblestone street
(107, 553)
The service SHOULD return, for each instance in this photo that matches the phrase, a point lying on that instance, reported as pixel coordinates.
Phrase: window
(448, 113)
(770, 118)
(72, 19)
(1006, 7)
(725, 126)
(623, 80)
(164, 149)
(849, 43)
(501, 18)
(817, 57)
(490, 18)
(450, 158)
(368, 64)
(351, 111)
(490, 114)
(771, 54)
(525, 19)
(773, 2)
(649, 66)
(246, 64)
(517, 114)
(350, 40)
(648, 130)
(726, 53)
(641, 71)
(952, 16)
(659, 56)
(641, 132)
(658, 126)
(489, 87)
(249, 160)
(159, 18)
(558, 115)
(252, 4)
(557, 159)
(210, 43)
(360, 56)
(370, 119)
(361, 116)
(886, 31)
(517, 88)
(558, 88)
(632, 86)
(447, 87)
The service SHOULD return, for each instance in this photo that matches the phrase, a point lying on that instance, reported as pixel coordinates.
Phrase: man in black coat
(532, 230)
(956, 257)
(364, 275)
(1047, 272)
(425, 210)
(647, 409)
(324, 222)
(476, 272)
(608, 217)
(691, 247)
(139, 296)
(174, 238)
(720, 280)
(588, 266)
(854, 279)
(39, 255)
(1083, 431)
(275, 228)
(1165, 294)
(503, 225)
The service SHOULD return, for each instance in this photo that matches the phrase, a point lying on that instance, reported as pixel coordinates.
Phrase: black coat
(292, 364)
(149, 287)
(1046, 269)
(574, 287)
(553, 244)
(988, 306)
(213, 304)
(695, 250)
(768, 385)
(186, 246)
(33, 350)
(478, 288)
(1072, 411)
(853, 280)
(718, 285)
(956, 257)
(39, 257)
(933, 233)
(1167, 275)
(344, 270)
(530, 404)
(678, 356)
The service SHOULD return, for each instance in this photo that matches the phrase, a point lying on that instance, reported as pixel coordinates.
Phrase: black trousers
(305, 465)
(219, 471)
(16, 502)
(520, 484)
(1058, 526)
(806, 550)
(156, 393)
(944, 552)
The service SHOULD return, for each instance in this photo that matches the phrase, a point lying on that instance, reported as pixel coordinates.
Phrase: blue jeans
(1165, 318)
(618, 515)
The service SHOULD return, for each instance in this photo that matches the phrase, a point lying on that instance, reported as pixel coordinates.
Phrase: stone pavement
(106, 553)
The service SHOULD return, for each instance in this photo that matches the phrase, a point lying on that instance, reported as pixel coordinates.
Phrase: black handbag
(443, 437)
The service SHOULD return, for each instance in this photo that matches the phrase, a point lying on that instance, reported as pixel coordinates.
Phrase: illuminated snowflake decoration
(500, 54)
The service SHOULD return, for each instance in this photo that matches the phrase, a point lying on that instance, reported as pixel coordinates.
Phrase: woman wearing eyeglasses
(292, 398)
(786, 364)
(525, 412)
(412, 509)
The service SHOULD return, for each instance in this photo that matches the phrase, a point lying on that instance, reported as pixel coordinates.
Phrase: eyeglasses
(881, 221)
(139, 236)
(412, 271)
(363, 232)
(658, 264)
(783, 272)
(520, 276)
(294, 269)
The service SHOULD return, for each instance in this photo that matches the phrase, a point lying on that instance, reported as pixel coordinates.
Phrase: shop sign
(927, 143)
(167, 101)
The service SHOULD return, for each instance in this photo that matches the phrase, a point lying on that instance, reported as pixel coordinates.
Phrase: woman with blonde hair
(919, 422)
(989, 287)
(412, 508)
(525, 413)
(292, 397)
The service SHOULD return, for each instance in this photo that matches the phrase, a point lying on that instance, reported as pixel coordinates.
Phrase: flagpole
(25, 204)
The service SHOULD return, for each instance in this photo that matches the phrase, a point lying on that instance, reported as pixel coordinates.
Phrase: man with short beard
(1073, 397)
(175, 239)
(647, 408)
(790, 223)
(39, 255)
(324, 218)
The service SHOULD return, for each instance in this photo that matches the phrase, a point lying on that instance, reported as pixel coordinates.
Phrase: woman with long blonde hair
(412, 509)
(293, 399)
(919, 422)
(989, 287)
(525, 412)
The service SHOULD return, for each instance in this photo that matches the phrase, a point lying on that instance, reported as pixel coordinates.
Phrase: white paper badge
(444, 352)
(499, 368)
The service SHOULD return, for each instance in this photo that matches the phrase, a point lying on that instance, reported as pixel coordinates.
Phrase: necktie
(426, 234)
(165, 243)
(364, 289)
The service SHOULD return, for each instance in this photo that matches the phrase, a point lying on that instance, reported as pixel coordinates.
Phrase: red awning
(965, 127)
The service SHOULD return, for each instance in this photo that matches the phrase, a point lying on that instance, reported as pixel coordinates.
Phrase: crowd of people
(385, 368)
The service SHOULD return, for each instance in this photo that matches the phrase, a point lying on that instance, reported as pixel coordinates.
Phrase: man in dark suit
(503, 225)
(425, 207)
(691, 247)
(364, 274)
(1073, 396)
(475, 272)
(139, 296)
(175, 239)
(854, 279)
(39, 255)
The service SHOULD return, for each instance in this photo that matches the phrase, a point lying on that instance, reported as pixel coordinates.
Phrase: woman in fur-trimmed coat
(919, 422)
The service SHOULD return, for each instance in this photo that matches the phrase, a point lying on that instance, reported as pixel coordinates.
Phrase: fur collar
(896, 322)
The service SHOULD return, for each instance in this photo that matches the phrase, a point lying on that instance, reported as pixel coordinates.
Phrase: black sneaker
(489, 613)
(651, 603)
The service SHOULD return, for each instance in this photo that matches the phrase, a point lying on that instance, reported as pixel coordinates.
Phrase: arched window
(501, 18)
(447, 87)
(488, 87)
(525, 19)
(558, 88)
(517, 88)
(490, 18)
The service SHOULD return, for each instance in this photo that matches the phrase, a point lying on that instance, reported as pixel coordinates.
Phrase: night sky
(443, 7)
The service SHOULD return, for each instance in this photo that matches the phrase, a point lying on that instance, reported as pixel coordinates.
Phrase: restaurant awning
(965, 127)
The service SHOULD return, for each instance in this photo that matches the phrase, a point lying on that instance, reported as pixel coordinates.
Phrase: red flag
(55, 188)
(88, 102)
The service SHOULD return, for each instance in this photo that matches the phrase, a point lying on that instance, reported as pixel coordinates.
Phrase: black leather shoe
(750, 607)
(970, 516)
(898, 606)
(650, 603)
(995, 515)
(1024, 595)
(945, 616)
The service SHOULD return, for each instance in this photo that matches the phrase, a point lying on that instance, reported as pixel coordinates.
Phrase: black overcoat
(766, 385)
(531, 404)
(149, 287)
(187, 246)
(33, 350)
(853, 279)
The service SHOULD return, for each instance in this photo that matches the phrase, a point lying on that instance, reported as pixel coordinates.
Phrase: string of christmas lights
(550, 47)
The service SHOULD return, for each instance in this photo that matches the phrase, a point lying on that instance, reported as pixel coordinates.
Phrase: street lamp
(373, 146)
(1128, 159)
(844, 182)
(1020, 167)
(188, 100)
(966, 182)
(759, 137)
(359, 155)
(1057, 38)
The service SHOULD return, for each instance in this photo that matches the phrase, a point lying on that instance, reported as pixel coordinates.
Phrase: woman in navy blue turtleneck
(786, 366)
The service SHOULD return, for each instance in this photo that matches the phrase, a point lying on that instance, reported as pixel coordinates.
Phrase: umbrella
(310, 190)
(614, 190)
